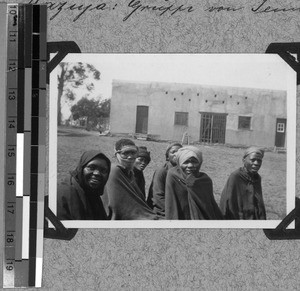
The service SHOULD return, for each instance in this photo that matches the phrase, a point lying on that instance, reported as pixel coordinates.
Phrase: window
(181, 118)
(244, 122)
(280, 127)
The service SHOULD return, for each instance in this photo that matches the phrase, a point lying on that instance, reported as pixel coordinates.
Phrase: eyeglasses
(93, 168)
(127, 153)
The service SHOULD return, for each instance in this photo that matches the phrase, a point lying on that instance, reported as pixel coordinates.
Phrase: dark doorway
(213, 127)
(141, 119)
(280, 132)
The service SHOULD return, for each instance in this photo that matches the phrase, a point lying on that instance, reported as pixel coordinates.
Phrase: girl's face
(252, 163)
(126, 156)
(191, 166)
(141, 163)
(172, 154)
(95, 173)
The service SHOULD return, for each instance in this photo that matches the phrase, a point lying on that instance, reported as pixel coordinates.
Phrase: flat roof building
(208, 114)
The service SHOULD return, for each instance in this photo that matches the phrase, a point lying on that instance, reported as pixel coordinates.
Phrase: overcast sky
(263, 71)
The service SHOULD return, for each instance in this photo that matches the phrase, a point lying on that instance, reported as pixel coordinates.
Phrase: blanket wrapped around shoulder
(157, 188)
(190, 197)
(123, 200)
(73, 203)
(242, 197)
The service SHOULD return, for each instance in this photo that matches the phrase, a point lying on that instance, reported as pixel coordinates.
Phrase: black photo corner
(285, 50)
(61, 49)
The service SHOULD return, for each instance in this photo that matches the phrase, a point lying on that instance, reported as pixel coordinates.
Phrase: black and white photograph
(172, 140)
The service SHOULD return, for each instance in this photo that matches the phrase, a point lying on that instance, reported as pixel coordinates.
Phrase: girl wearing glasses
(78, 198)
(123, 199)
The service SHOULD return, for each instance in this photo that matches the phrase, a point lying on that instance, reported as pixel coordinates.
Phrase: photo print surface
(232, 114)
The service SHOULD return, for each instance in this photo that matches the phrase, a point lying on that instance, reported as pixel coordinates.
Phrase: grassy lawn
(218, 163)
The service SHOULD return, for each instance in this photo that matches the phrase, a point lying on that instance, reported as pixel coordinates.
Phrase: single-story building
(208, 114)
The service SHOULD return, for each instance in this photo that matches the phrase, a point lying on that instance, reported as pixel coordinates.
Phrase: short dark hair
(123, 142)
(143, 152)
(169, 148)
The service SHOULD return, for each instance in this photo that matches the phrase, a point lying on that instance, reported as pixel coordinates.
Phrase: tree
(73, 76)
(105, 108)
(91, 109)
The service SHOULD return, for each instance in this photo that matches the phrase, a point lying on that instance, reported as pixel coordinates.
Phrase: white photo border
(259, 224)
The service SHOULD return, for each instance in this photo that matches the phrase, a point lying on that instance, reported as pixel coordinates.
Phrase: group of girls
(98, 190)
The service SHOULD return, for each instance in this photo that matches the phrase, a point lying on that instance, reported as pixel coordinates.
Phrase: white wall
(164, 99)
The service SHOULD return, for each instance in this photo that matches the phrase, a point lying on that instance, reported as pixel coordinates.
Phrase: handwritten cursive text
(262, 8)
(137, 6)
(223, 8)
(59, 7)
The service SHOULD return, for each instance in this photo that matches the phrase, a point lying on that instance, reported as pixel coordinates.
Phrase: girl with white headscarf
(189, 192)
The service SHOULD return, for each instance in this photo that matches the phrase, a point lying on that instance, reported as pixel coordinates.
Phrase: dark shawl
(74, 200)
(190, 197)
(140, 180)
(156, 196)
(242, 196)
(123, 200)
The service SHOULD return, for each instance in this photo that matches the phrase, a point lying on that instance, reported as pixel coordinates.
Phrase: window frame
(181, 118)
(246, 120)
(280, 127)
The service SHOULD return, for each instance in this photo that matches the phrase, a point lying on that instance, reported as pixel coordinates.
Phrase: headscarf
(186, 153)
(144, 153)
(170, 146)
(254, 149)
(84, 160)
